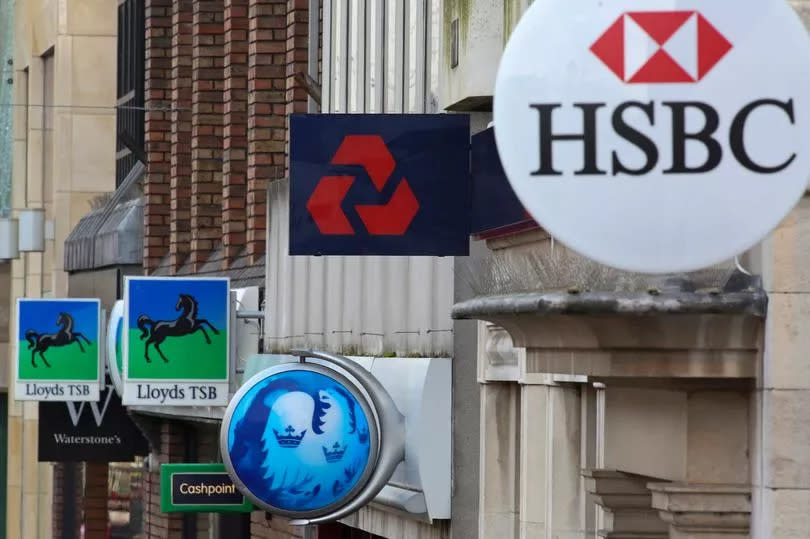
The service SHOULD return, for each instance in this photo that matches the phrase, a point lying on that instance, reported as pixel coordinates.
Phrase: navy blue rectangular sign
(379, 184)
(495, 207)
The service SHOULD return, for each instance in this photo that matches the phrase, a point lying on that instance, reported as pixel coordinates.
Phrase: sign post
(175, 336)
(656, 139)
(58, 356)
(115, 354)
(199, 488)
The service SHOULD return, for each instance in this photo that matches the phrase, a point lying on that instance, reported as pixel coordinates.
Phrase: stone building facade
(63, 159)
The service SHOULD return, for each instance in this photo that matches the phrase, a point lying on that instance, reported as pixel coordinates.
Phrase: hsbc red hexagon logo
(390, 219)
(661, 47)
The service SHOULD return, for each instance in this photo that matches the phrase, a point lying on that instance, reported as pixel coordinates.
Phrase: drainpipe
(312, 49)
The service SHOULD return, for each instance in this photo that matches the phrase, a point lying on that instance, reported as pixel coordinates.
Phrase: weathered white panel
(338, 62)
(382, 56)
(416, 23)
(357, 55)
(375, 33)
(326, 75)
(354, 305)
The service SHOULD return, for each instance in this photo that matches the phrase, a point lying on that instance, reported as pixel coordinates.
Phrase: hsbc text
(674, 112)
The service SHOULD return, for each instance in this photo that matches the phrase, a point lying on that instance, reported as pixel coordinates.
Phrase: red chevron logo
(661, 46)
(390, 219)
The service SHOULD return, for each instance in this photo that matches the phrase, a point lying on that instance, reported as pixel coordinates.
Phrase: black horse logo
(63, 337)
(186, 324)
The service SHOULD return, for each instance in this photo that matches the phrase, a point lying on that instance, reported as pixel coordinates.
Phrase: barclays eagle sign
(303, 440)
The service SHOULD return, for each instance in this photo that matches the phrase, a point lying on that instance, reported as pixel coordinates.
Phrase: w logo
(98, 415)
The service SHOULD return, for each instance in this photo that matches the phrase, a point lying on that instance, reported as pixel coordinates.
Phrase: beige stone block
(64, 72)
(535, 449)
(43, 26)
(566, 466)
(33, 185)
(717, 441)
(60, 283)
(13, 511)
(19, 160)
(646, 432)
(93, 161)
(30, 516)
(80, 205)
(498, 501)
(91, 17)
(785, 514)
(93, 73)
(787, 341)
(30, 469)
(14, 462)
(31, 413)
(784, 255)
(786, 439)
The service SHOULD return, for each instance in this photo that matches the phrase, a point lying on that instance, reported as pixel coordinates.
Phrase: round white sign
(652, 135)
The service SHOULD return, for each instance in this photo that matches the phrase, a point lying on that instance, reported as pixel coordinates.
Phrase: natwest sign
(379, 184)
(653, 139)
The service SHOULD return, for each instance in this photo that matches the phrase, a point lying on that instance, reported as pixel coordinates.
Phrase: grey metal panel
(326, 76)
(357, 56)
(394, 51)
(416, 23)
(358, 305)
(339, 57)
(375, 50)
(382, 55)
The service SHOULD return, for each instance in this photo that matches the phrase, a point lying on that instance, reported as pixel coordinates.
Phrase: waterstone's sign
(175, 336)
(89, 431)
(58, 356)
(656, 138)
(199, 488)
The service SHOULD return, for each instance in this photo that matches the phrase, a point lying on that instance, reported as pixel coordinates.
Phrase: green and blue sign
(175, 341)
(58, 350)
(299, 440)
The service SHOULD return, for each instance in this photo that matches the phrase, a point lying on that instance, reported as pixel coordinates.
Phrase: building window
(130, 123)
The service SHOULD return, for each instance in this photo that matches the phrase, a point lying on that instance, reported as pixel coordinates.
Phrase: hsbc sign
(661, 46)
(653, 139)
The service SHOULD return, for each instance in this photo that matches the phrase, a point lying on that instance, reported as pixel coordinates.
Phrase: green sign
(176, 341)
(199, 488)
(58, 342)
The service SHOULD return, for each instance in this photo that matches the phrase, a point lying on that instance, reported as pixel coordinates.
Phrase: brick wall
(262, 527)
(158, 525)
(296, 59)
(180, 226)
(95, 500)
(219, 85)
(234, 158)
(267, 38)
(60, 496)
(157, 129)
(207, 82)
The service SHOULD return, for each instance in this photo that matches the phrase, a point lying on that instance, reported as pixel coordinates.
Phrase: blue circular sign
(299, 440)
